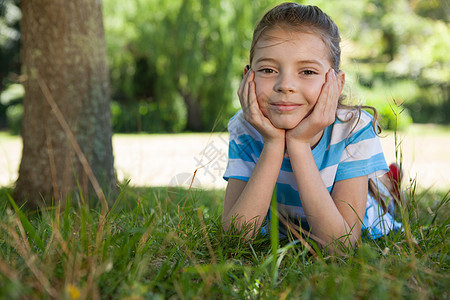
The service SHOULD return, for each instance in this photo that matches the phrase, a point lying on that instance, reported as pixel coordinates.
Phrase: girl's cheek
(262, 103)
(316, 89)
(257, 84)
(260, 94)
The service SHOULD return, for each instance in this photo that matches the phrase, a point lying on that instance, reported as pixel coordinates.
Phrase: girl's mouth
(284, 106)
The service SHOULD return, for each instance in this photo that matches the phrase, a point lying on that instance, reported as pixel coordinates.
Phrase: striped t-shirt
(347, 149)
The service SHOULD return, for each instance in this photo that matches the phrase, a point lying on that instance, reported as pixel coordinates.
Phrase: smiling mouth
(284, 107)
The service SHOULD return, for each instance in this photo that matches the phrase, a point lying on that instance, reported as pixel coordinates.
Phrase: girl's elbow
(225, 223)
(342, 243)
(349, 241)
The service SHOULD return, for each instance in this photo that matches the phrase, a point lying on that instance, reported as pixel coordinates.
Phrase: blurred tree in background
(176, 65)
(67, 120)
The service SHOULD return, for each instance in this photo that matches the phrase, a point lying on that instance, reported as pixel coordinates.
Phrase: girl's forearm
(324, 218)
(254, 201)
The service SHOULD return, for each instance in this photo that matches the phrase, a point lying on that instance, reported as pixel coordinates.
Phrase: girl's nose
(285, 84)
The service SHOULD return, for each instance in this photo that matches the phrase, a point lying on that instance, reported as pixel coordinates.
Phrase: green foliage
(388, 100)
(398, 52)
(394, 117)
(393, 50)
(9, 39)
(11, 102)
(147, 117)
(14, 115)
(154, 246)
(9, 48)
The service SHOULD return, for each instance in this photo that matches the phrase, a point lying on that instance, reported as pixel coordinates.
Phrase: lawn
(159, 243)
(166, 242)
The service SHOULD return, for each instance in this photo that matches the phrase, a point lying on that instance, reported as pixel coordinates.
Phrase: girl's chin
(285, 124)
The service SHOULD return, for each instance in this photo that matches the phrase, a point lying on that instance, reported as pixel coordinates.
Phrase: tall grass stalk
(274, 237)
(397, 110)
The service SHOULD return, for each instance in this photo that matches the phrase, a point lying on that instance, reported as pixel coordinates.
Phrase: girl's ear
(341, 77)
(246, 69)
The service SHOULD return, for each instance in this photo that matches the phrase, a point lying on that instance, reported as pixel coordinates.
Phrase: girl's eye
(308, 72)
(267, 71)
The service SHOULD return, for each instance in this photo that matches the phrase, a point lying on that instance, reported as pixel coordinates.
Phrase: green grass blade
(118, 200)
(27, 225)
(274, 239)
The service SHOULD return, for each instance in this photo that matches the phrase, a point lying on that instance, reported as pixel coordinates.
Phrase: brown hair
(302, 18)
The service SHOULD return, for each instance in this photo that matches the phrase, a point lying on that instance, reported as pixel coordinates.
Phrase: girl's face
(290, 69)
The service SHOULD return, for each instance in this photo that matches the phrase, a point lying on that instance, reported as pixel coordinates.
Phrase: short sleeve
(363, 154)
(244, 148)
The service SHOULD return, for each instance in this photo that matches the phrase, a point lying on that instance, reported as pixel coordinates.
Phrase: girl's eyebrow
(266, 59)
(299, 62)
(310, 61)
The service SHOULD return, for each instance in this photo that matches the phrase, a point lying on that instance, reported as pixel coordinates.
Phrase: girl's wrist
(275, 146)
(279, 139)
(297, 146)
(296, 141)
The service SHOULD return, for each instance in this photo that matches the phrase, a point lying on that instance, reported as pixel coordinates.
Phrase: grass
(158, 243)
(154, 245)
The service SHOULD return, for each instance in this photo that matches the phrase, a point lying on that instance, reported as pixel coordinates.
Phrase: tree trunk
(63, 48)
(194, 121)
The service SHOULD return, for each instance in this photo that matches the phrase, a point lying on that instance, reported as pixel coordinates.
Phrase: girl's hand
(324, 112)
(252, 112)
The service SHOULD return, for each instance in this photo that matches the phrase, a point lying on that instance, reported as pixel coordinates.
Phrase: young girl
(293, 132)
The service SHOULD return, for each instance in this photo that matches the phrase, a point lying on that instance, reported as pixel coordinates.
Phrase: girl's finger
(252, 101)
(249, 101)
(333, 91)
(243, 84)
(324, 94)
(243, 91)
(251, 86)
(326, 105)
(337, 88)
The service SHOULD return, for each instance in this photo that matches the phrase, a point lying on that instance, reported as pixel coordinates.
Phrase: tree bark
(63, 47)
(194, 122)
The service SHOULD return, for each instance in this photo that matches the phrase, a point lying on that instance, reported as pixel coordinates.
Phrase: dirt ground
(161, 160)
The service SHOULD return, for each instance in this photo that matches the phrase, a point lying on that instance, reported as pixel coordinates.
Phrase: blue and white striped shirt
(346, 150)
